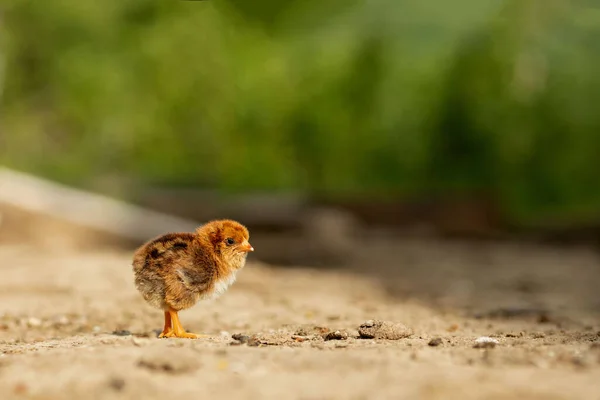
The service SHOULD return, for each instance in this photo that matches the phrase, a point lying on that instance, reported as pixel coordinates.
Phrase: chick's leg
(178, 330)
(168, 329)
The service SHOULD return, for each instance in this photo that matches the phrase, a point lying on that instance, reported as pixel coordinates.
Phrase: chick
(176, 270)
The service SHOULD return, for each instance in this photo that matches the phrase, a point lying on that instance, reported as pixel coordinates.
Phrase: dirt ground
(72, 326)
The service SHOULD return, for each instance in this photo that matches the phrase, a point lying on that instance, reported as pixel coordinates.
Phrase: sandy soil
(72, 326)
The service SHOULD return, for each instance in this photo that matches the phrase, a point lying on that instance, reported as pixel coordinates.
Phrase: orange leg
(177, 330)
(168, 329)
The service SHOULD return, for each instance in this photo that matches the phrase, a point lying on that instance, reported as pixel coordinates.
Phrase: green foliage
(330, 97)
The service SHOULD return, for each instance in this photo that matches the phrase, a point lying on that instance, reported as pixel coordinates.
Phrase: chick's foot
(182, 335)
(177, 330)
(166, 333)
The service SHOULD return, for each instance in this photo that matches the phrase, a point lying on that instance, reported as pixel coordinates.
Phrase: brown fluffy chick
(176, 270)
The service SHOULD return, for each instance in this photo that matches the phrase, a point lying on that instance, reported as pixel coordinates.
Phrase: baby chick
(176, 270)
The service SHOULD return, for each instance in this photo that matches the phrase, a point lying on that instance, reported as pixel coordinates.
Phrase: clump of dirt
(375, 329)
(310, 330)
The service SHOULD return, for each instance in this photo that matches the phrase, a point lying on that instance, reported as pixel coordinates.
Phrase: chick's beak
(247, 247)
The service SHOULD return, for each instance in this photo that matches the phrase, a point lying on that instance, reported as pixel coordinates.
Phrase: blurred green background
(380, 98)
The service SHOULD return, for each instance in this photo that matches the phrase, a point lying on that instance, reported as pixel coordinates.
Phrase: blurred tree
(332, 98)
(513, 120)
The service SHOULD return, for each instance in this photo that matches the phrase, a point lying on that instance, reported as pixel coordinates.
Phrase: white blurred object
(486, 339)
(86, 209)
(485, 342)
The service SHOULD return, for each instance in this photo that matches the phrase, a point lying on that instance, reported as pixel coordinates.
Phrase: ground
(73, 326)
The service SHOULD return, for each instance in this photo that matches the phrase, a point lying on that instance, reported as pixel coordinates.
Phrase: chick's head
(230, 239)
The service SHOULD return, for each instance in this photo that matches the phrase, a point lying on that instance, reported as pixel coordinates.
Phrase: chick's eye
(230, 241)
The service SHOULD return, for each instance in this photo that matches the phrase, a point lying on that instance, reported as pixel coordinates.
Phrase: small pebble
(254, 342)
(34, 322)
(117, 384)
(435, 342)
(240, 338)
(321, 329)
(302, 332)
(485, 342)
(122, 332)
(337, 335)
(250, 341)
(514, 335)
(383, 330)
(311, 330)
(139, 342)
